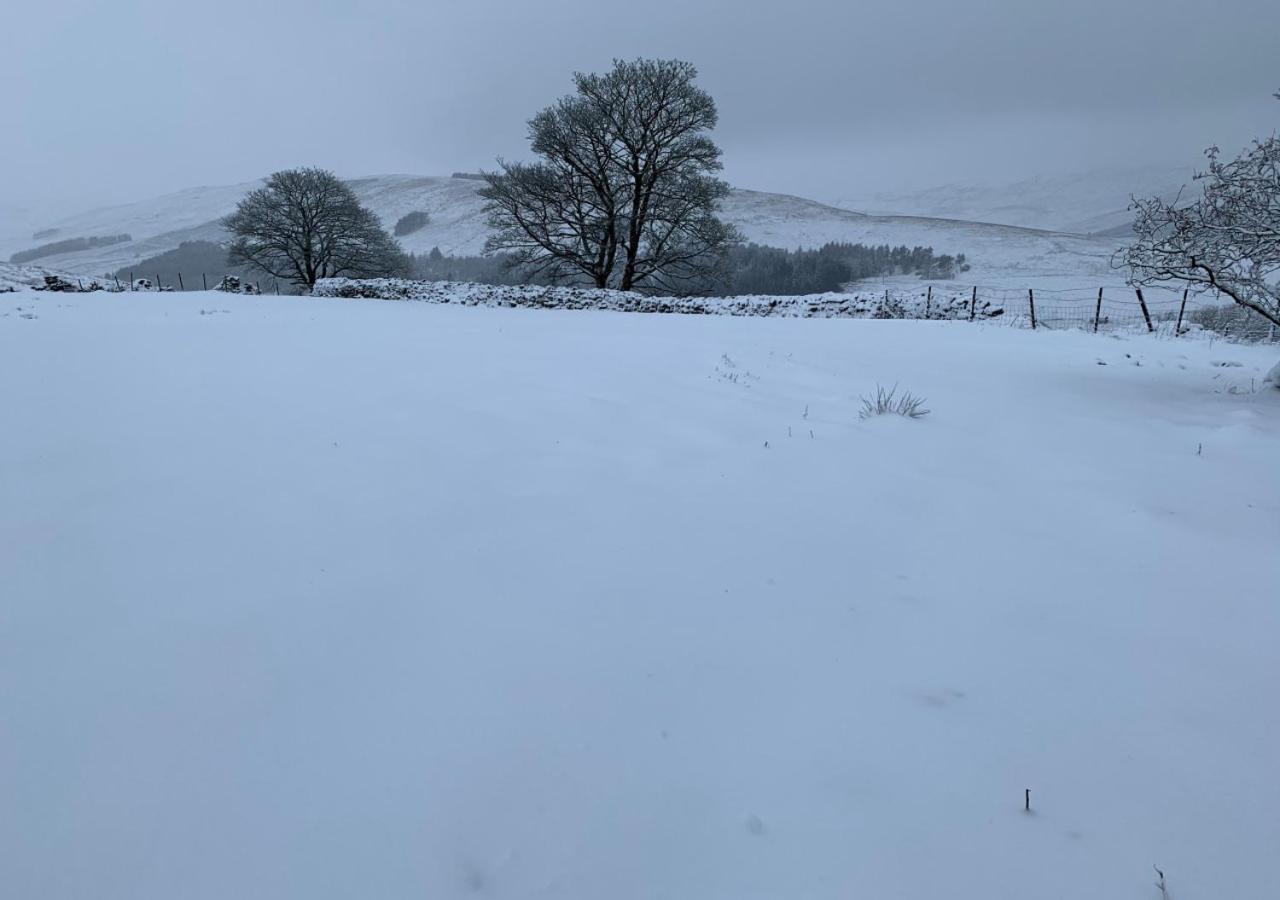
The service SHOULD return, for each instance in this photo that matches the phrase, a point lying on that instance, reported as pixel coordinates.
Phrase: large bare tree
(1226, 241)
(624, 193)
(306, 224)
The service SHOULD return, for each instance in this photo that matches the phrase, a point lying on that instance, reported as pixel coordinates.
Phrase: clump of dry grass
(889, 401)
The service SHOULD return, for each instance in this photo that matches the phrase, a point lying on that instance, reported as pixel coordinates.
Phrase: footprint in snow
(941, 699)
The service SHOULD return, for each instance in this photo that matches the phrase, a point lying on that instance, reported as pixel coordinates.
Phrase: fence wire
(1104, 310)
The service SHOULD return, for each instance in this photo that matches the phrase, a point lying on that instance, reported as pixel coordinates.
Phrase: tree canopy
(306, 224)
(1226, 241)
(624, 193)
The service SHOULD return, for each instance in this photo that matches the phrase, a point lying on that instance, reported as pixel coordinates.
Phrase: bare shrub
(1235, 322)
(890, 402)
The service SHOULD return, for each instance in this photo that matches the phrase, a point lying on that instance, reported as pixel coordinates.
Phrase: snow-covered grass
(321, 599)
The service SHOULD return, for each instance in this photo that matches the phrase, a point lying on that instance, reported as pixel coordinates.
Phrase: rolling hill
(1094, 202)
(999, 253)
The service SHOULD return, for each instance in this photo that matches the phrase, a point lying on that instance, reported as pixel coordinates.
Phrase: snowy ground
(309, 598)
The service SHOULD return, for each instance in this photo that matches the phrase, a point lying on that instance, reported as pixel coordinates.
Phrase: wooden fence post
(1097, 313)
(204, 281)
(181, 286)
(131, 280)
(973, 304)
(158, 284)
(1182, 309)
(1031, 301)
(1142, 301)
(928, 302)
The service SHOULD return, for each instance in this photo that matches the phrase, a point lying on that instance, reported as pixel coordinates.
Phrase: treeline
(496, 269)
(759, 269)
(750, 268)
(411, 222)
(70, 245)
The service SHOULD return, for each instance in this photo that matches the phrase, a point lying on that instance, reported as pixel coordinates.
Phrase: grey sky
(107, 102)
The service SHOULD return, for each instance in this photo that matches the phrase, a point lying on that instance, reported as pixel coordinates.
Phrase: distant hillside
(457, 226)
(1093, 202)
(67, 245)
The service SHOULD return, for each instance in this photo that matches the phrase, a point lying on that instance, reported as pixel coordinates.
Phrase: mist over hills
(1092, 202)
(993, 226)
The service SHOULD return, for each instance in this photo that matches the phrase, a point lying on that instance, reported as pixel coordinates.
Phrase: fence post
(973, 304)
(80, 284)
(1097, 313)
(181, 286)
(131, 279)
(928, 302)
(117, 278)
(1181, 310)
(204, 281)
(1142, 301)
(1031, 301)
(158, 285)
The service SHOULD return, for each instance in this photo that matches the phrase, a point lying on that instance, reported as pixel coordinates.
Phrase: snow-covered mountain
(999, 253)
(1084, 202)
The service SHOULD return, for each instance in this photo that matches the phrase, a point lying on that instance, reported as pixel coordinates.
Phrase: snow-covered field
(325, 598)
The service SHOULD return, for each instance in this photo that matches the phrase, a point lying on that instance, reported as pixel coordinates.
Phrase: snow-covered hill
(999, 253)
(1086, 203)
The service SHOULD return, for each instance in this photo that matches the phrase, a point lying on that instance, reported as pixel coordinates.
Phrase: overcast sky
(106, 102)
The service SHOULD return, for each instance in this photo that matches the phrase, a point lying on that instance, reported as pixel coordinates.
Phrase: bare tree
(306, 224)
(1226, 241)
(624, 193)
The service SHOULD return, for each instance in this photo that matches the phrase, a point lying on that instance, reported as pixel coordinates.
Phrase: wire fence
(177, 282)
(1103, 309)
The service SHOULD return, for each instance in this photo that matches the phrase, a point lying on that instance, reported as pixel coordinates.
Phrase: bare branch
(624, 194)
(304, 225)
(1227, 241)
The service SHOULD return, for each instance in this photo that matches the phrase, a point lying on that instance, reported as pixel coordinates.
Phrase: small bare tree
(306, 224)
(625, 192)
(1226, 241)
